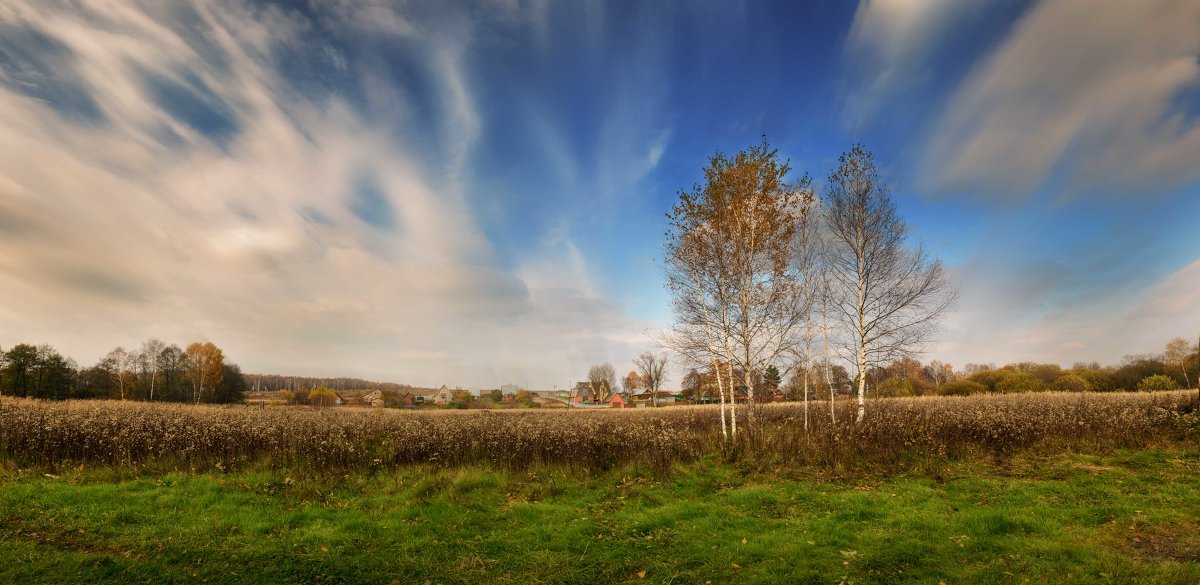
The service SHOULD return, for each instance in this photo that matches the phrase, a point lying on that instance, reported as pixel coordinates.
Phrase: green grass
(1131, 517)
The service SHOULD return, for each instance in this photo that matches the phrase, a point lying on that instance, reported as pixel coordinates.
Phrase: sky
(474, 193)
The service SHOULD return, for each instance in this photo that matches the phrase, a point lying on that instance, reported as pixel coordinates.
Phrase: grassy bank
(1126, 517)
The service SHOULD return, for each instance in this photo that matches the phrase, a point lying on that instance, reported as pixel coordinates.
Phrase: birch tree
(203, 362)
(117, 363)
(888, 297)
(151, 350)
(1177, 353)
(729, 265)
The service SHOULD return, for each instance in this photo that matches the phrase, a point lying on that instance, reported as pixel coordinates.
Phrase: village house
(582, 394)
(443, 396)
(647, 397)
(372, 398)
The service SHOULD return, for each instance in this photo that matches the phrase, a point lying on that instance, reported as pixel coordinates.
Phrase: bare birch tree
(1177, 353)
(888, 297)
(118, 362)
(151, 349)
(652, 369)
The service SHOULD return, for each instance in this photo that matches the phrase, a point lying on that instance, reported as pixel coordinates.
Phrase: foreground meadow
(1096, 488)
(1124, 517)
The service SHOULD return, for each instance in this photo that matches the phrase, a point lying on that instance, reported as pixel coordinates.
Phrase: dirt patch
(1170, 543)
(1092, 469)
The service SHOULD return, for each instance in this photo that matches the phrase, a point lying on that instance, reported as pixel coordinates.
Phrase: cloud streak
(162, 175)
(1093, 96)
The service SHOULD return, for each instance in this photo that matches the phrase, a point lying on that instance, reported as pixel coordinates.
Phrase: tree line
(155, 372)
(1147, 372)
(272, 382)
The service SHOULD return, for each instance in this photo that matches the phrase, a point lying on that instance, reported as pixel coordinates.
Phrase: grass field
(1124, 517)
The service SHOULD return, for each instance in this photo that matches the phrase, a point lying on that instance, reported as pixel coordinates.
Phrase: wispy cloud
(891, 47)
(161, 174)
(1090, 99)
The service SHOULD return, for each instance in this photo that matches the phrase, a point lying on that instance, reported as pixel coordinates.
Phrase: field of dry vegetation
(897, 431)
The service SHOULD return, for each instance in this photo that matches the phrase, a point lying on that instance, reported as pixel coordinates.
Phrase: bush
(1071, 383)
(895, 387)
(1098, 380)
(989, 378)
(962, 388)
(1015, 382)
(1157, 383)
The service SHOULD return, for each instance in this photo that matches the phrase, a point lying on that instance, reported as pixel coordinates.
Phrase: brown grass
(896, 432)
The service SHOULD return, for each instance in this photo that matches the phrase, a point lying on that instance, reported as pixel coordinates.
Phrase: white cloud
(1089, 91)
(238, 221)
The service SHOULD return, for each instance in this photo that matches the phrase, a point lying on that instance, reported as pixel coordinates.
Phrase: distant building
(443, 396)
(509, 389)
(647, 396)
(372, 398)
(583, 393)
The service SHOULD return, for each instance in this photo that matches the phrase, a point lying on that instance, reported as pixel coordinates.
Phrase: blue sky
(474, 193)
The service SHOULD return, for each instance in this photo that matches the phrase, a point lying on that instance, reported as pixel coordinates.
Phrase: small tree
(460, 399)
(632, 382)
(771, 377)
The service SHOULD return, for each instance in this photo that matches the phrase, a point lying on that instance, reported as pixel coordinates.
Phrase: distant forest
(272, 382)
(156, 372)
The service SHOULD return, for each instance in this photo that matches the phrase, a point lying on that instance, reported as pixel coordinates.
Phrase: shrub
(1071, 383)
(1098, 380)
(962, 388)
(1157, 383)
(1016, 382)
(894, 387)
(989, 378)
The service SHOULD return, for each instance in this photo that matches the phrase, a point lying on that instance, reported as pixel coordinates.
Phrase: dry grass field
(896, 432)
